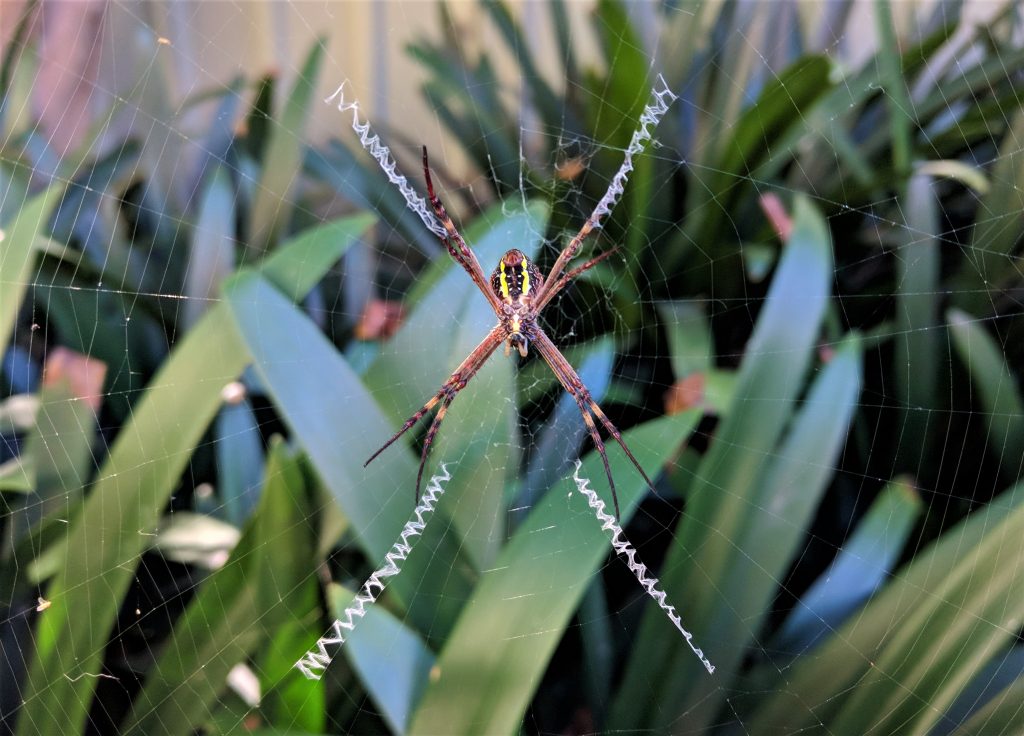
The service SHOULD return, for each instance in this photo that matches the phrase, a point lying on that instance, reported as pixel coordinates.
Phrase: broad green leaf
(564, 431)
(289, 699)
(283, 158)
(987, 688)
(690, 342)
(917, 348)
(997, 225)
(17, 475)
(895, 86)
(124, 506)
(997, 389)
(212, 250)
(495, 657)
(13, 59)
(59, 452)
(725, 498)
(779, 513)
(970, 616)
(392, 661)
(239, 448)
(238, 608)
(863, 565)
(17, 251)
(1002, 714)
(930, 629)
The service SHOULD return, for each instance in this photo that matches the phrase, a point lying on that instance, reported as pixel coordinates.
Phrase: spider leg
(599, 446)
(572, 383)
(455, 244)
(568, 276)
(435, 425)
(445, 395)
(567, 254)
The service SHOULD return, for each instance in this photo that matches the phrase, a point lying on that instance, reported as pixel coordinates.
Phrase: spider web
(834, 430)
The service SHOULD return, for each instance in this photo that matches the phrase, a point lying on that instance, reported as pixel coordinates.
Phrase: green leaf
(564, 431)
(930, 629)
(392, 661)
(17, 47)
(917, 346)
(59, 452)
(690, 342)
(895, 87)
(17, 251)
(361, 181)
(238, 608)
(621, 97)
(725, 498)
(239, 448)
(863, 565)
(145, 463)
(212, 253)
(550, 107)
(492, 663)
(968, 617)
(998, 394)
(283, 158)
(18, 476)
(997, 226)
(1002, 714)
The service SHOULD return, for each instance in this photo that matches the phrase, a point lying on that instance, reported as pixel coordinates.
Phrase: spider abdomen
(516, 278)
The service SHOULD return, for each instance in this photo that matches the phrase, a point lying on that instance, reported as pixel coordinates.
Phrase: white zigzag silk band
(628, 553)
(372, 143)
(317, 659)
(651, 116)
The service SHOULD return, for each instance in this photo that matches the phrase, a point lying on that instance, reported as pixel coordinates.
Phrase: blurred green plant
(888, 619)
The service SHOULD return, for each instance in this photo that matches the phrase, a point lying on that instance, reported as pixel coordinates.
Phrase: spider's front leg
(444, 396)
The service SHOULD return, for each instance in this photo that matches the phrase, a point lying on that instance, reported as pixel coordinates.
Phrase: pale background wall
(94, 52)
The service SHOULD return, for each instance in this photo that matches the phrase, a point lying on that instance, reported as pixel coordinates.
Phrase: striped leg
(572, 383)
(445, 395)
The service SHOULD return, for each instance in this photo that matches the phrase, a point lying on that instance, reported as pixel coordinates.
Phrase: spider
(518, 293)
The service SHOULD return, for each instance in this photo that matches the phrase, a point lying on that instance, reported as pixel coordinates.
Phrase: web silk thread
(628, 553)
(316, 660)
(651, 116)
(371, 142)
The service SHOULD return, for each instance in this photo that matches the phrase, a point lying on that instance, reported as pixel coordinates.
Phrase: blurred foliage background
(212, 311)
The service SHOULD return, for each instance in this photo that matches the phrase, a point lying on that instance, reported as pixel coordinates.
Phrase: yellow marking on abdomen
(504, 282)
(526, 278)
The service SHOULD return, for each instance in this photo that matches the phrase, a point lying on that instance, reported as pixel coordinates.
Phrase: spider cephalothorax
(517, 292)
